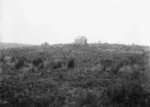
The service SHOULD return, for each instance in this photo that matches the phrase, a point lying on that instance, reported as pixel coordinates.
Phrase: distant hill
(13, 45)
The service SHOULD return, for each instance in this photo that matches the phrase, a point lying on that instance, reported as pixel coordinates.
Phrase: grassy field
(97, 75)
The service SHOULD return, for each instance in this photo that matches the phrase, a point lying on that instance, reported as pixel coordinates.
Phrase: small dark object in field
(13, 59)
(71, 63)
(128, 95)
(41, 66)
(20, 64)
(1, 59)
(106, 63)
(57, 64)
(88, 100)
(116, 67)
(37, 62)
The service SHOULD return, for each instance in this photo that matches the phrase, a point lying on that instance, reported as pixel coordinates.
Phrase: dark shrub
(41, 66)
(57, 64)
(37, 62)
(71, 63)
(20, 64)
(116, 67)
(87, 100)
(128, 94)
(1, 59)
(116, 93)
(13, 59)
(106, 62)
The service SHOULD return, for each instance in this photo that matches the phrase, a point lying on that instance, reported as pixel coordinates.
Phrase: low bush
(127, 94)
(71, 63)
(57, 64)
(37, 62)
(20, 64)
(87, 100)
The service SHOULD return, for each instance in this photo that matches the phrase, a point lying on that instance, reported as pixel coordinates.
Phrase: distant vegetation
(13, 45)
(97, 75)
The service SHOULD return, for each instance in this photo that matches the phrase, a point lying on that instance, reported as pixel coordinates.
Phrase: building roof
(80, 37)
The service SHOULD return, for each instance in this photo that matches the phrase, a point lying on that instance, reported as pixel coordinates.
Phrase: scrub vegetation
(96, 75)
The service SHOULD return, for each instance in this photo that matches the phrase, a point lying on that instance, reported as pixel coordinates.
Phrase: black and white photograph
(74, 53)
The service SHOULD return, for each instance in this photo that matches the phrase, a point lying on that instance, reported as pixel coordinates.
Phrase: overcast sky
(60, 21)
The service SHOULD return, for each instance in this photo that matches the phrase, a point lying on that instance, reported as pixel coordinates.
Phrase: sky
(60, 21)
(0, 20)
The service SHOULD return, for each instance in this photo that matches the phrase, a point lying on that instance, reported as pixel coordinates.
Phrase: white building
(80, 40)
